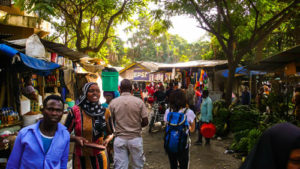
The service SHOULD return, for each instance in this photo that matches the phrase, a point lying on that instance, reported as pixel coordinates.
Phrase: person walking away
(168, 92)
(180, 122)
(191, 95)
(206, 115)
(245, 96)
(277, 148)
(129, 115)
(92, 125)
(160, 94)
(108, 97)
(44, 144)
(137, 92)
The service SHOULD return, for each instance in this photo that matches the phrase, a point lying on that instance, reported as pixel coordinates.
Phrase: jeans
(123, 149)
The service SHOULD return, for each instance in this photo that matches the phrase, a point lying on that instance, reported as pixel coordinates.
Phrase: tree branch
(212, 30)
(256, 14)
(111, 19)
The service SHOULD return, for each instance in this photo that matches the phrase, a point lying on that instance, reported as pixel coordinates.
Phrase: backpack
(176, 135)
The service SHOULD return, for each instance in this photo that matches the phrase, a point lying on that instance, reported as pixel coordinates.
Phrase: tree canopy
(86, 24)
(239, 26)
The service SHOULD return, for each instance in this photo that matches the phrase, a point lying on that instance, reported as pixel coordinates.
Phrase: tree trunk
(229, 83)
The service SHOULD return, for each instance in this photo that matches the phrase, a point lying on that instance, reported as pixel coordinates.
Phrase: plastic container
(31, 119)
(110, 81)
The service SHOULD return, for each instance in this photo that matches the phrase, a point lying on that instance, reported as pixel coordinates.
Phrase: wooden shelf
(10, 125)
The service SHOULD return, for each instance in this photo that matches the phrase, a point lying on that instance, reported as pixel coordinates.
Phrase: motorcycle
(158, 111)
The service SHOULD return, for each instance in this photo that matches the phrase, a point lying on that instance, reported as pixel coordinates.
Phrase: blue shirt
(29, 152)
(46, 141)
(206, 110)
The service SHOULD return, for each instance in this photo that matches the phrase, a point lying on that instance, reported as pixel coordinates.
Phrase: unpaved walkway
(202, 157)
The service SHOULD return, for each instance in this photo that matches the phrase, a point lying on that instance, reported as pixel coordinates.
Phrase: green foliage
(253, 138)
(220, 120)
(243, 117)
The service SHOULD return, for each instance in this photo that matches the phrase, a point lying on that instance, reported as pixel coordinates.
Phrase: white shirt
(190, 115)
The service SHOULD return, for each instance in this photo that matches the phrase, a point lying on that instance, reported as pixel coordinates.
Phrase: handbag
(208, 130)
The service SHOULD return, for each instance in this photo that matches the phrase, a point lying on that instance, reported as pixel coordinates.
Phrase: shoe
(198, 143)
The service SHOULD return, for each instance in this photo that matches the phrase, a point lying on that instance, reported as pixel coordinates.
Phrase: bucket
(71, 103)
(110, 81)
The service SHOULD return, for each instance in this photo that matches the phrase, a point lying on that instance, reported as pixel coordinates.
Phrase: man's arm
(144, 122)
(65, 156)
(144, 115)
(16, 154)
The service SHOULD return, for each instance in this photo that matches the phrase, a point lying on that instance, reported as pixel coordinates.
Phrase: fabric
(190, 95)
(181, 158)
(137, 93)
(133, 147)
(206, 110)
(82, 124)
(70, 81)
(273, 148)
(46, 141)
(40, 66)
(105, 105)
(28, 151)
(127, 112)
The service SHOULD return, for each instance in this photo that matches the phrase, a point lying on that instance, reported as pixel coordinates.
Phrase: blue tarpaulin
(40, 66)
(242, 71)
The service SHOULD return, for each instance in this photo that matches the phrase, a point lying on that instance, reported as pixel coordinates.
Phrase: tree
(86, 23)
(239, 26)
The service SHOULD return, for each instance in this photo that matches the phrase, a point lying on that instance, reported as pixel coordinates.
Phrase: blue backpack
(176, 135)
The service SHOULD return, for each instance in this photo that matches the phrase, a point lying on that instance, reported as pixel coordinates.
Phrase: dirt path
(202, 157)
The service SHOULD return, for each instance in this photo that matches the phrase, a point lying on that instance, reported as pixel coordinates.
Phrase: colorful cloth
(79, 121)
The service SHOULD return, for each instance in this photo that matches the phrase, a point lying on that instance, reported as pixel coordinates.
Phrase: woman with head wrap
(92, 124)
(278, 148)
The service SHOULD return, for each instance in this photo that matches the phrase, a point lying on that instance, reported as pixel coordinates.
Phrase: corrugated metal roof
(195, 63)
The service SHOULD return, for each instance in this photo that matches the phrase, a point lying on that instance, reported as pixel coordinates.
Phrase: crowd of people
(110, 133)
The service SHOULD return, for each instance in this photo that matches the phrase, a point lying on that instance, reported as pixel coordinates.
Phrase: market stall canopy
(195, 63)
(58, 48)
(240, 71)
(148, 66)
(40, 66)
(279, 61)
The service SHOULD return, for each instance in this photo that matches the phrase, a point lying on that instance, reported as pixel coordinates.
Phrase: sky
(184, 26)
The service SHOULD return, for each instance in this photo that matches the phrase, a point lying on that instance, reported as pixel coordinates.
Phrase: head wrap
(274, 147)
(106, 93)
(95, 110)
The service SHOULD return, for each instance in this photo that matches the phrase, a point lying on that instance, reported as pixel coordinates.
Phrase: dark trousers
(207, 140)
(181, 158)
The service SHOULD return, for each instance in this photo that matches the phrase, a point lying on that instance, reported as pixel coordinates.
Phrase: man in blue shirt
(44, 144)
(206, 115)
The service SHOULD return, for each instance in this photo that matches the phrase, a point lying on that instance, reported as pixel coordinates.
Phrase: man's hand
(108, 139)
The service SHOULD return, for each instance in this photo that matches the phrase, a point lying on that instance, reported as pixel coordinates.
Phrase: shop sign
(140, 75)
